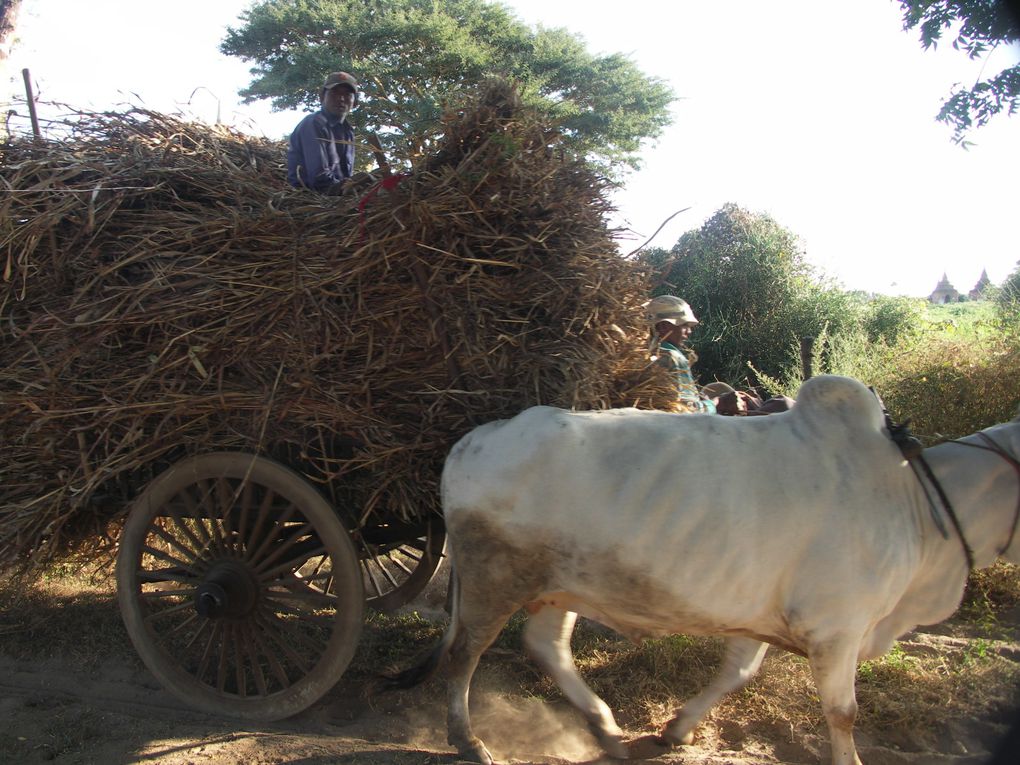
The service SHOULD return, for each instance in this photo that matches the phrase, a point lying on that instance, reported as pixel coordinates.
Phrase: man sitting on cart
(320, 155)
(672, 321)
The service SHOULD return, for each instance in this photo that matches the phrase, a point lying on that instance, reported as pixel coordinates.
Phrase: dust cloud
(524, 729)
(513, 729)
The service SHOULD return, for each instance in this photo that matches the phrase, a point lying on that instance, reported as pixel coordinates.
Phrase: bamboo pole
(30, 98)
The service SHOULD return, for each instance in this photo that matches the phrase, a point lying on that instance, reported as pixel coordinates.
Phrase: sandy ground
(52, 713)
(87, 704)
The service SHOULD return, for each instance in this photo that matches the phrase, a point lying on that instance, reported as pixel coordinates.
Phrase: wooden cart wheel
(220, 586)
(398, 560)
(395, 573)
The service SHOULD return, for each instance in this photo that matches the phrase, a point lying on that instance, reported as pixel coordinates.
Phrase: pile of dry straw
(162, 293)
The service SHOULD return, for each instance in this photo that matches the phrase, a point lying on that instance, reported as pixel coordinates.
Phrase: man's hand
(731, 403)
(358, 182)
(337, 189)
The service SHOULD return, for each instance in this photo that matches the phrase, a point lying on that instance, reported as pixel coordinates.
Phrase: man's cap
(341, 78)
(669, 308)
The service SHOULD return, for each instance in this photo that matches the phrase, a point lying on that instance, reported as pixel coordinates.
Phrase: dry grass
(921, 689)
(164, 293)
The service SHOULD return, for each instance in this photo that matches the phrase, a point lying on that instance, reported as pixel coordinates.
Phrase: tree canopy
(979, 26)
(416, 58)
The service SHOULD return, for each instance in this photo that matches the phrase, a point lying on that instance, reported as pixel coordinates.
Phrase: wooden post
(31, 103)
(807, 345)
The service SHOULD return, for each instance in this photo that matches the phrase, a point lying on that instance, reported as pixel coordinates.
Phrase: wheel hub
(229, 591)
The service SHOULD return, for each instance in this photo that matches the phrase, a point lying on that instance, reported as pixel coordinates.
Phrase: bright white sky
(820, 114)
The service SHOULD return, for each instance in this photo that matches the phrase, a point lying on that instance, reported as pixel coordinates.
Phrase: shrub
(1007, 303)
(894, 319)
(746, 279)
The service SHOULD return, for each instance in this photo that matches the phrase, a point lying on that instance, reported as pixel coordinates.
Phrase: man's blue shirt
(321, 152)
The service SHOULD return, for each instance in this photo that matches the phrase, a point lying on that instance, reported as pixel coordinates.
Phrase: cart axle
(229, 591)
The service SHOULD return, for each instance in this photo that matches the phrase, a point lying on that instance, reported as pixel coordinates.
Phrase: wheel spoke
(366, 566)
(399, 563)
(184, 624)
(239, 674)
(168, 611)
(321, 623)
(207, 653)
(198, 545)
(221, 669)
(251, 650)
(304, 531)
(228, 498)
(247, 496)
(155, 594)
(384, 571)
(260, 519)
(167, 558)
(189, 552)
(274, 664)
(289, 566)
(421, 545)
(210, 500)
(194, 510)
(273, 534)
(157, 576)
(271, 632)
(296, 580)
(201, 628)
(317, 598)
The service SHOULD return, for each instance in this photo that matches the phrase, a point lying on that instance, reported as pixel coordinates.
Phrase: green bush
(951, 387)
(949, 379)
(1007, 304)
(746, 279)
(894, 319)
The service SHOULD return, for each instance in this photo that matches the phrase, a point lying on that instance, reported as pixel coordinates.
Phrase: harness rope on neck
(913, 452)
(996, 449)
(949, 510)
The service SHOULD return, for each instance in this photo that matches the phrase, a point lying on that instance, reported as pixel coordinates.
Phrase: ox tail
(427, 666)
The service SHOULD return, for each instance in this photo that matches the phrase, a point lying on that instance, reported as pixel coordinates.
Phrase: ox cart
(250, 389)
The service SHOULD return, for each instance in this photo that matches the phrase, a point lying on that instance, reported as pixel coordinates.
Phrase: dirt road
(72, 691)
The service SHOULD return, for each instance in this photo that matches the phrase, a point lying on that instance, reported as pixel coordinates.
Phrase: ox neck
(939, 500)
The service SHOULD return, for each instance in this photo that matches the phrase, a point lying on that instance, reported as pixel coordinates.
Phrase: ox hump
(843, 402)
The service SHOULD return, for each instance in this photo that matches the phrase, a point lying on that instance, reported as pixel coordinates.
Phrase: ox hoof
(611, 743)
(475, 751)
(616, 749)
(678, 735)
(647, 747)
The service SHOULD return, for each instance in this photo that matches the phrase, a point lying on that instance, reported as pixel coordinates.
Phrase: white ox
(806, 530)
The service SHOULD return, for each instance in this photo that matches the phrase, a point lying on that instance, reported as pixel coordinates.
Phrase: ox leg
(547, 639)
(476, 632)
(741, 662)
(833, 668)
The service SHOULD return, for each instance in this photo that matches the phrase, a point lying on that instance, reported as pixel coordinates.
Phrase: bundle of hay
(164, 293)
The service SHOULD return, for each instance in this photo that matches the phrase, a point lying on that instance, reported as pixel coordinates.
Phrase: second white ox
(806, 530)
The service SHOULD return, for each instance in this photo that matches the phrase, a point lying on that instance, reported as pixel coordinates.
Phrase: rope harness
(913, 453)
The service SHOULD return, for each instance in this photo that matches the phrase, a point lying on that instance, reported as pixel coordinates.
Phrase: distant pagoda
(978, 293)
(945, 292)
